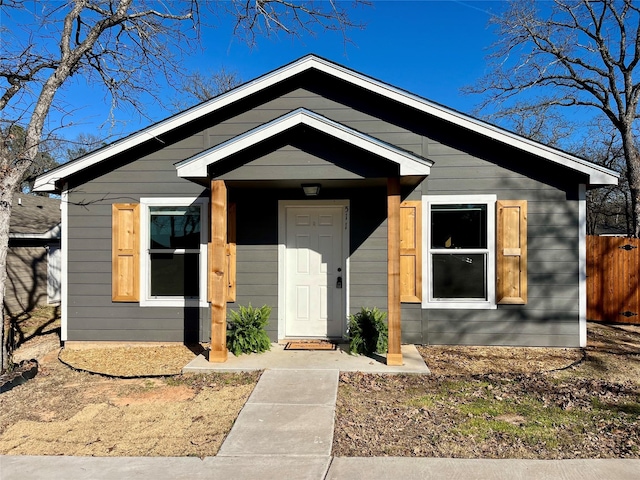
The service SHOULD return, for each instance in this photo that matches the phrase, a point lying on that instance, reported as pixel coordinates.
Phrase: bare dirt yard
(63, 411)
(479, 402)
(501, 403)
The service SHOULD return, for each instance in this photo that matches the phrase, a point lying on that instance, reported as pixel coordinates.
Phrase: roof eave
(197, 166)
(48, 181)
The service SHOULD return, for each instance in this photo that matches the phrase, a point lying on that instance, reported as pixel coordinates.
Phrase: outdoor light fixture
(311, 189)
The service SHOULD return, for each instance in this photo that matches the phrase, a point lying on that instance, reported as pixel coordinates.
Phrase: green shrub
(368, 331)
(245, 330)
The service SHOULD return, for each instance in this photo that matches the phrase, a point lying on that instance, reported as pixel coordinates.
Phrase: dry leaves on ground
(501, 402)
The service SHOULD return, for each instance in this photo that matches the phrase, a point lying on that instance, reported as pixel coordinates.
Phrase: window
(460, 250)
(173, 251)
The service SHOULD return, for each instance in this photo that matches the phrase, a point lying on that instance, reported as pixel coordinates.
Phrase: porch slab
(339, 359)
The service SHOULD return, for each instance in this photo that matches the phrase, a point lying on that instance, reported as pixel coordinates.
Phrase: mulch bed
(130, 362)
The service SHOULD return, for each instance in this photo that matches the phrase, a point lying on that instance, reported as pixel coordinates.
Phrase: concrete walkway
(290, 412)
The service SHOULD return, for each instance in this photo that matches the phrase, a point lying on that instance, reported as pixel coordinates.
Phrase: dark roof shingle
(32, 214)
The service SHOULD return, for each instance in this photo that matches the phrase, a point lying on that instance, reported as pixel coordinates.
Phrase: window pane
(459, 276)
(175, 275)
(175, 227)
(459, 226)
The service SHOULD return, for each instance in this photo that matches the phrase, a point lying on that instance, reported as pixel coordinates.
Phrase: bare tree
(609, 207)
(82, 144)
(44, 160)
(572, 54)
(536, 121)
(197, 87)
(121, 45)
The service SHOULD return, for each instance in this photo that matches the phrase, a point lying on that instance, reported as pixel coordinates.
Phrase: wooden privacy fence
(613, 264)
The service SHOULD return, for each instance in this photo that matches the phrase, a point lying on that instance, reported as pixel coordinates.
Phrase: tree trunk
(6, 199)
(632, 157)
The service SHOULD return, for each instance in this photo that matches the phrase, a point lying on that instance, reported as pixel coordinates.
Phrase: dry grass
(477, 403)
(67, 412)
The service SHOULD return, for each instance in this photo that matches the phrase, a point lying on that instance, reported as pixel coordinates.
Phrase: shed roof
(597, 175)
(34, 217)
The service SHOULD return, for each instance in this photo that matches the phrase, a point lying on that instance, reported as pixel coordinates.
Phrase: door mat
(310, 345)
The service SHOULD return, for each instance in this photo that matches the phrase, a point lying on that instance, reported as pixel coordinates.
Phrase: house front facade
(318, 190)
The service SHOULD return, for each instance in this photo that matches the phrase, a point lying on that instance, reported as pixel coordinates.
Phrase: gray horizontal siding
(368, 255)
(327, 171)
(333, 110)
(127, 335)
(91, 313)
(26, 282)
(550, 316)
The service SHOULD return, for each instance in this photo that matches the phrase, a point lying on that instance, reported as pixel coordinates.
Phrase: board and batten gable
(257, 180)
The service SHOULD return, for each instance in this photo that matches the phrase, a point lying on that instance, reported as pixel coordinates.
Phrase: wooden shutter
(511, 252)
(125, 252)
(411, 251)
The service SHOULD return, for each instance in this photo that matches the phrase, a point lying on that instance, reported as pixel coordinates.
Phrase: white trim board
(53, 233)
(597, 175)
(582, 263)
(64, 267)
(410, 164)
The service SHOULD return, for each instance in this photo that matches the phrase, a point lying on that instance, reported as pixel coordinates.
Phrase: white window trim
(472, 304)
(145, 299)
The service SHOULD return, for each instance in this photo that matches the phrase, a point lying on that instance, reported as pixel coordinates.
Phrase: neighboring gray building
(34, 256)
(487, 247)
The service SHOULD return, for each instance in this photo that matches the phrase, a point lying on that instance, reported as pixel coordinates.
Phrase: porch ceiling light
(311, 189)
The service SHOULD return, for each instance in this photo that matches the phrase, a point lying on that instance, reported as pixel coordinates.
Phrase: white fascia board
(53, 233)
(196, 166)
(47, 181)
(597, 175)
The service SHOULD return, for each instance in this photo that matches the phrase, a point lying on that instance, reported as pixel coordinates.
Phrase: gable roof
(597, 175)
(34, 217)
(409, 163)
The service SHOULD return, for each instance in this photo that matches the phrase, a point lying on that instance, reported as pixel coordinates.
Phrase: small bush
(246, 332)
(368, 331)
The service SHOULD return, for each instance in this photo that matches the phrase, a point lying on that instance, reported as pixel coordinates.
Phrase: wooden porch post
(394, 354)
(217, 267)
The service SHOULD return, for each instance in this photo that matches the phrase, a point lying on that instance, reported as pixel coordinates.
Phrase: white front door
(314, 271)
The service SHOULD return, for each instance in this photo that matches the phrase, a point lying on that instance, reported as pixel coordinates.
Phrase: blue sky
(431, 48)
